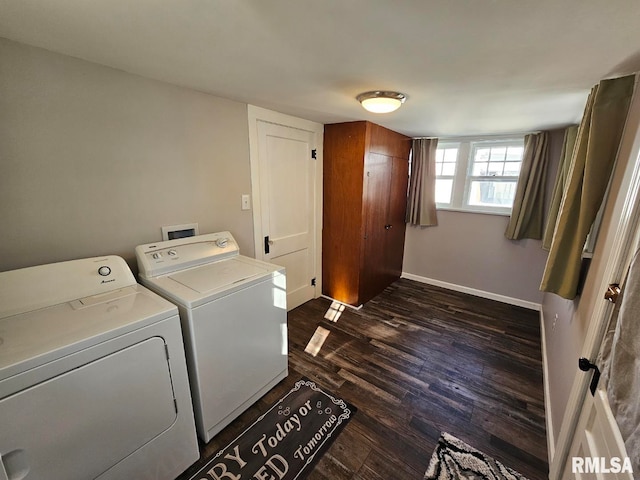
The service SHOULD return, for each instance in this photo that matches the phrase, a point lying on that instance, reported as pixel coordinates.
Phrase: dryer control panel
(161, 258)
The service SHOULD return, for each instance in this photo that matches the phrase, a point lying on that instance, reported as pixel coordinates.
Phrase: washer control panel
(104, 271)
(41, 286)
(171, 255)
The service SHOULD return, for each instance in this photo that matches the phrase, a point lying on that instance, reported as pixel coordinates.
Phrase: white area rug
(455, 460)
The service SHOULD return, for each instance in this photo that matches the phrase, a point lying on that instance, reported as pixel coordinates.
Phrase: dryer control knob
(104, 271)
(172, 253)
(222, 242)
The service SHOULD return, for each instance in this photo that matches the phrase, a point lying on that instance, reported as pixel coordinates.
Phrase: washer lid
(216, 275)
(34, 338)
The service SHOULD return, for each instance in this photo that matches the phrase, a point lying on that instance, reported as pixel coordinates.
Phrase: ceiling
(467, 67)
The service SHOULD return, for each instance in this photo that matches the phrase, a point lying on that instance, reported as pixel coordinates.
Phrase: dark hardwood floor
(418, 360)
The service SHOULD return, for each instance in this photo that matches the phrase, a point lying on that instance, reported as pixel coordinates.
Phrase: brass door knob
(612, 293)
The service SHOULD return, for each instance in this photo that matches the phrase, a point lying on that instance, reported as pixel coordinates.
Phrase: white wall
(94, 160)
(470, 250)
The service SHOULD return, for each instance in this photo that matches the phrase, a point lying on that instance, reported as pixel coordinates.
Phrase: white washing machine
(234, 320)
(93, 378)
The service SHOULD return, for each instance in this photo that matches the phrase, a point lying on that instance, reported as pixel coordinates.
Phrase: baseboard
(551, 443)
(341, 303)
(472, 291)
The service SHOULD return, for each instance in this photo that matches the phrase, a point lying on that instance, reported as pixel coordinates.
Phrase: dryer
(93, 378)
(233, 311)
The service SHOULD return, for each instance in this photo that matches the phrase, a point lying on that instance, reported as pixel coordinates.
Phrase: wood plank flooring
(415, 361)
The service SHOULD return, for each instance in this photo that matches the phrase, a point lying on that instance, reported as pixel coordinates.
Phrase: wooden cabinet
(366, 172)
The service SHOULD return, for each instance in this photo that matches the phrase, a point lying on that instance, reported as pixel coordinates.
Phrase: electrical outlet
(246, 202)
(555, 320)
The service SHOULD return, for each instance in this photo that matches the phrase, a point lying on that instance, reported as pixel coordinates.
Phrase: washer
(93, 377)
(234, 321)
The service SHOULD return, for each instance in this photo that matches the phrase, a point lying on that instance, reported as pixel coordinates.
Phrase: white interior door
(597, 437)
(286, 179)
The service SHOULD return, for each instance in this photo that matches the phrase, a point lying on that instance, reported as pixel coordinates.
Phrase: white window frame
(463, 173)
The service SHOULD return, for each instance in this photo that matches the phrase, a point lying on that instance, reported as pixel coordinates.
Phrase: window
(446, 158)
(478, 175)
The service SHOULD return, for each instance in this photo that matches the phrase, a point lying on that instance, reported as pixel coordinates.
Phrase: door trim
(256, 114)
(625, 229)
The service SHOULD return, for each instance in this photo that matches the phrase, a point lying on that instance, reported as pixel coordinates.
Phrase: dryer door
(79, 424)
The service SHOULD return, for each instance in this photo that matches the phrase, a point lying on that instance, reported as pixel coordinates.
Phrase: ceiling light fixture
(380, 101)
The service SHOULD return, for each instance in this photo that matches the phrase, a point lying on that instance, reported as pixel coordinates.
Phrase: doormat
(455, 460)
(285, 442)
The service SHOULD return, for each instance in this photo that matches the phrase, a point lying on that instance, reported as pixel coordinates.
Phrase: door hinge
(314, 153)
(313, 282)
(585, 365)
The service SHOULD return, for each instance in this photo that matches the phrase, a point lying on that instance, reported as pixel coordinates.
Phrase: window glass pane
(512, 168)
(514, 153)
(480, 169)
(439, 155)
(482, 154)
(495, 168)
(492, 194)
(448, 169)
(450, 155)
(443, 190)
(498, 153)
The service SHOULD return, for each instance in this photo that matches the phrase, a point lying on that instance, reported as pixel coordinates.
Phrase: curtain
(421, 208)
(570, 135)
(592, 162)
(528, 205)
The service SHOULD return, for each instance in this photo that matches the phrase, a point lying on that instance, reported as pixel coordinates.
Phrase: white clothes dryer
(93, 378)
(234, 319)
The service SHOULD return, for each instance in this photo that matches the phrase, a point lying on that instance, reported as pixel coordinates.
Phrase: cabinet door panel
(344, 154)
(375, 211)
(394, 242)
(387, 142)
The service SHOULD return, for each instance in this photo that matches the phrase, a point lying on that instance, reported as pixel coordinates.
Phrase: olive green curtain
(421, 207)
(592, 162)
(528, 204)
(570, 135)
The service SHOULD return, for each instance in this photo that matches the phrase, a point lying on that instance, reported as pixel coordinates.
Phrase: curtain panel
(528, 205)
(592, 162)
(421, 207)
(570, 135)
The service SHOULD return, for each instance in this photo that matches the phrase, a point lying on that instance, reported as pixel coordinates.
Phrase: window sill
(467, 210)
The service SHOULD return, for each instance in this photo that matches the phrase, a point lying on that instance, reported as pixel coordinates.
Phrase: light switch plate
(246, 202)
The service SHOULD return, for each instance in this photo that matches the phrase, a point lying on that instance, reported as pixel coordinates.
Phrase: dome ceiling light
(381, 101)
